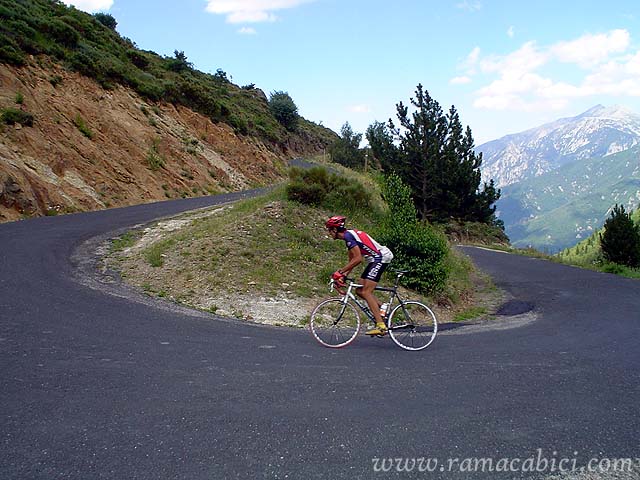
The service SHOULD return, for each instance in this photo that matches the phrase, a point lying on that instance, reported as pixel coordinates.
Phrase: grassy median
(265, 259)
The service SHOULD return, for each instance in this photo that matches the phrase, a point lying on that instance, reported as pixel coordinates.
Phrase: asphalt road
(94, 385)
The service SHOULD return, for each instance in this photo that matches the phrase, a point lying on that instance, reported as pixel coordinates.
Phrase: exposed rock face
(91, 148)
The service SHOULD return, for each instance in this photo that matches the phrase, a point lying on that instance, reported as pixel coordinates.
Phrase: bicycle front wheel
(335, 324)
(412, 326)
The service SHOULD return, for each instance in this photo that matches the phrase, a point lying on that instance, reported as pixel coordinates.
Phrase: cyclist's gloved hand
(338, 278)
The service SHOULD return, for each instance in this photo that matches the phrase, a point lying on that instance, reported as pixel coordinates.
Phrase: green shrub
(10, 55)
(11, 116)
(10, 52)
(87, 62)
(416, 246)
(154, 255)
(149, 87)
(123, 241)
(60, 31)
(155, 159)
(614, 268)
(81, 125)
(138, 58)
(307, 193)
(239, 124)
(193, 94)
(106, 20)
(23, 30)
(6, 13)
(284, 109)
(348, 196)
(422, 251)
(316, 186)
(475, 232)
(179, 63)
(55, 80)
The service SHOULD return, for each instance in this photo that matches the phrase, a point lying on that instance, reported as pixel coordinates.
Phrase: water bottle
(383, 309)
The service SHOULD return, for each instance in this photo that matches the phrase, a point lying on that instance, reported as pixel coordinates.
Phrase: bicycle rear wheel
(334, 324)
(412, 326)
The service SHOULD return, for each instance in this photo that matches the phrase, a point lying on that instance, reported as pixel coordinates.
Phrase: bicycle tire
(332, 326)
(412, 326)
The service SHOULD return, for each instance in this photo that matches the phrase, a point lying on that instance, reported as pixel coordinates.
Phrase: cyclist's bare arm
(355, 258)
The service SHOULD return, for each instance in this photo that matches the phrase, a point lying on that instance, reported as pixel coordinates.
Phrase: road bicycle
(335, 322)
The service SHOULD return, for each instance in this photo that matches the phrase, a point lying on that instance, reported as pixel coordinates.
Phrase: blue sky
(506, 65)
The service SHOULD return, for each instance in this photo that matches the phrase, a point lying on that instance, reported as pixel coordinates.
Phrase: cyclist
(361, 246)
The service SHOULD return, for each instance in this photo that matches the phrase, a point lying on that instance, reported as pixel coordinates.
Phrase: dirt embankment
(91, 148)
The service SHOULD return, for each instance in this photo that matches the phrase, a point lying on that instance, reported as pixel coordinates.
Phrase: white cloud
(472, 58)
(359, 108)
(526, 80)
(616, 77)
(469, 5)
(590, 50)
(470, 63)
(511, 32)
(250, 11)
(517, 103)
(247, 31)
(460, 80)
(525, 59)
(91, 5)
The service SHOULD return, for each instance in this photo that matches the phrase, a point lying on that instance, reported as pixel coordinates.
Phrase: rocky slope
(91, 148)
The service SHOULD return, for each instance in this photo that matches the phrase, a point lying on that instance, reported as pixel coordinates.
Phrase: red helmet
(336, 222)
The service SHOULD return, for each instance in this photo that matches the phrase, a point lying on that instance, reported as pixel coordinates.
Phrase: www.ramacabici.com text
(536, 463)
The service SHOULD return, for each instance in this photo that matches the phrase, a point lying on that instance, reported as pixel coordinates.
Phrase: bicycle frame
(363, 306)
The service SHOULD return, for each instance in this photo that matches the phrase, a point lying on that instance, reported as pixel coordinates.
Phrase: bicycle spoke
(413, 326)
(334, 324)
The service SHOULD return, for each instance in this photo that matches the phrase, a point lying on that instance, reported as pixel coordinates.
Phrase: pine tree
(620, 242)
(346, 149)
(436, 158)
(421, 141)
(383, 150)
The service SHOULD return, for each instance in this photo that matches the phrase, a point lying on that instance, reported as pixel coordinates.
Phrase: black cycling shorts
(373, 271)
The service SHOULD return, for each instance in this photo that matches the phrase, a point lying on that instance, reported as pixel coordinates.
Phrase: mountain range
(560, 180)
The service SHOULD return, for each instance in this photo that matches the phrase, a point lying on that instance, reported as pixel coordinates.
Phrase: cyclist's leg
(370, 278)
(366, 292)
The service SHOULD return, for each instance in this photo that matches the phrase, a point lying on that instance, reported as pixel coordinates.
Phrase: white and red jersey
(371, 250)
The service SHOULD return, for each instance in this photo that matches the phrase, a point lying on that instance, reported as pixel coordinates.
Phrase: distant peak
(614, 111)
(593, 111)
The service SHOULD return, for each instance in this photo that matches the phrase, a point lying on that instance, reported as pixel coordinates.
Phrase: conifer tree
(346, 149)
(436, 158)
(422, 136)
(383, 150)
(620, 242)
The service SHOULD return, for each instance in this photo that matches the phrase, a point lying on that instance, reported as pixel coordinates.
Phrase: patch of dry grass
(264, 259)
